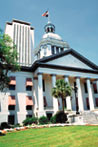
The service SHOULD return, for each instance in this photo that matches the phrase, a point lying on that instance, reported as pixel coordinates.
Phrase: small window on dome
(51, 29)
(57, 49)
(47, 29)
(62, 49)
(52, 50)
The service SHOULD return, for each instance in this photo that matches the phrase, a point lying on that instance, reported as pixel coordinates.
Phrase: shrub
(29, 121)
(61, 117)
(53, 119)
(43, 120)
(26, 121)
(34, 120)
(4, 125)
(17, 125)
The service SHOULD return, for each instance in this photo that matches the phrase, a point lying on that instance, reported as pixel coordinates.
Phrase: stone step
(90, 117)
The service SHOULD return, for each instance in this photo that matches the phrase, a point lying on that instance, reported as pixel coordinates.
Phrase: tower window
(52, 49)
(51, 29)
(62, 49)
(57, 50)
(47, 29)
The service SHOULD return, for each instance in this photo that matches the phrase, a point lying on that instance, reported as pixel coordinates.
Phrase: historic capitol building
(29, 90)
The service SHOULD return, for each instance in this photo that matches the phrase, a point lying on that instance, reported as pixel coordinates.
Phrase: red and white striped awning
(29, 82)
(11, 100)
(12, 81)
(29, 101)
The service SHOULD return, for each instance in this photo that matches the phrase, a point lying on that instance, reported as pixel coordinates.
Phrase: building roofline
(20, 21)
(74, 53)
(43, 65)
(9, 23)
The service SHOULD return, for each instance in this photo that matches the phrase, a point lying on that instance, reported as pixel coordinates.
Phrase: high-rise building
(22, 35)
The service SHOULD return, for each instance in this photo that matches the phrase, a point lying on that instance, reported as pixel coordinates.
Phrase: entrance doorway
(11, 119)
(49, 115)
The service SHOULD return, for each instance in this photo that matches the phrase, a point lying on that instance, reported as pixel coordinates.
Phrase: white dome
(51, 35)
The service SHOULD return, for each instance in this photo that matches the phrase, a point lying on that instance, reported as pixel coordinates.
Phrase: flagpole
(48, 16)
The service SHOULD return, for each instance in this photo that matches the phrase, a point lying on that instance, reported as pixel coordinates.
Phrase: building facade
(29, 90)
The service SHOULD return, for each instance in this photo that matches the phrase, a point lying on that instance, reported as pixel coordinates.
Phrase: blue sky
(76, 21)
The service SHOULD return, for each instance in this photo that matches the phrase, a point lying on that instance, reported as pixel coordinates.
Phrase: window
(85, 88)
(51, 29)
(96, 100)
(62, 49)
(95, 87)
(77, 106)
(49, 115)
(12, 87)
(29, 88)
(29, 103)
(12, 84)
(29, 84)
(28, 107)
(11, 102)
(52, 50)
(44, 85)
(28, 116)
(45, 102)
(87, 103)
(11, 119)
(11, 107)
(57, 50)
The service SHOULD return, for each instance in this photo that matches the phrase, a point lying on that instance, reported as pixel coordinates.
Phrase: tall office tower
(22, 35)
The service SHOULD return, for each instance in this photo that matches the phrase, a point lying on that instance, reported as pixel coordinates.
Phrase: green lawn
(70, 136)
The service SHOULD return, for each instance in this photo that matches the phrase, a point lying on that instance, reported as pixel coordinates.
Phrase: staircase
(90, 117)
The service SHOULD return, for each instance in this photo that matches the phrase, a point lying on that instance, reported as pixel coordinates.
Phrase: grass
(70, 136)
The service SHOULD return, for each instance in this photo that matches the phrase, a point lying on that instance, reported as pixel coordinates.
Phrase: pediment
(69, 58)
(69, 61)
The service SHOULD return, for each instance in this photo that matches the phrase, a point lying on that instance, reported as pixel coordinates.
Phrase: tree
(61, 90)
(8, 59)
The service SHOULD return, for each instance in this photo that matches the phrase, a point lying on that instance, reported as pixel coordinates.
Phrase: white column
(68, 99)
(90, 94)
(79, 94)
(55, 101)
(97, 85)
(40, 96)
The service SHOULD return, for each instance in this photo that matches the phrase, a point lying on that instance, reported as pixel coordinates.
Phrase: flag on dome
(46, 14)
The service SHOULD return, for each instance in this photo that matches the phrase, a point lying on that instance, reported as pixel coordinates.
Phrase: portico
(53, 104)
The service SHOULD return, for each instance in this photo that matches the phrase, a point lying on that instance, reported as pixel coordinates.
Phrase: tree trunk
(63, 104)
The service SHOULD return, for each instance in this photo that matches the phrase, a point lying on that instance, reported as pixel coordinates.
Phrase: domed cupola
(51, 43)
(50, 32)
(49, 27)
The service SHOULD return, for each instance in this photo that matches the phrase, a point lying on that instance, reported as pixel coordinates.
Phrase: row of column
(68, 99)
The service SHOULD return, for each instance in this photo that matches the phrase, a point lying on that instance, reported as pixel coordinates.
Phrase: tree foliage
(61, 90)
(8, 59)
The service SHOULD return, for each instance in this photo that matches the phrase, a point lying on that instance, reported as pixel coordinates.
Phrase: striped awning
(12, 81)
(11, 100)
(29, 82)
(29, 101)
